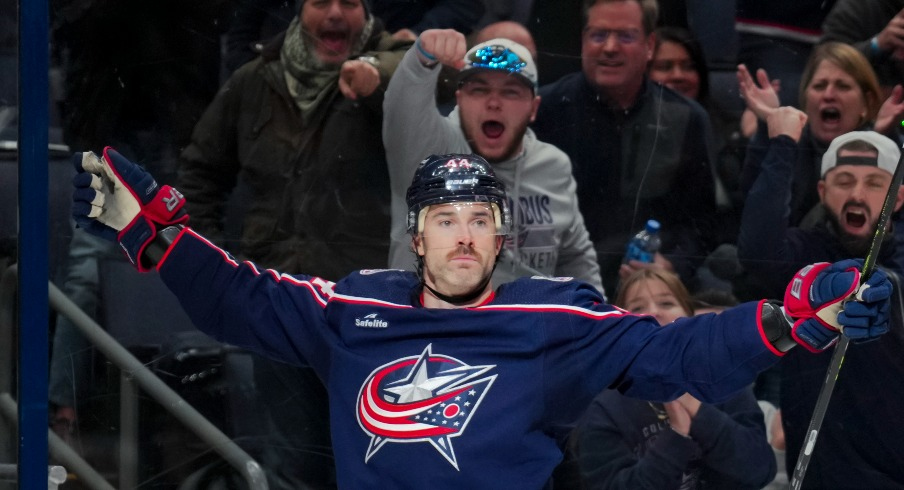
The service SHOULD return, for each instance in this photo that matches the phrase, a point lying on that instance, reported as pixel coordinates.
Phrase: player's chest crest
(425, 398)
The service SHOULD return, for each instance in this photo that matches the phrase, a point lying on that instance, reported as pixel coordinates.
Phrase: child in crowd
(623, 442)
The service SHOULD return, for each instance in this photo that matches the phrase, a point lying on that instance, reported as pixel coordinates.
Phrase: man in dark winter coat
(300, 128)
(638, 150)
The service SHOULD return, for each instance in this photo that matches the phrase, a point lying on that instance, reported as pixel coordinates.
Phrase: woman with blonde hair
(839, 93)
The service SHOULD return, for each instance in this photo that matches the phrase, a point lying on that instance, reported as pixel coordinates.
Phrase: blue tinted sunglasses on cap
(497, 57)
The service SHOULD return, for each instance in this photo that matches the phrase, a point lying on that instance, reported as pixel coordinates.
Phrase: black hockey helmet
(456, 177)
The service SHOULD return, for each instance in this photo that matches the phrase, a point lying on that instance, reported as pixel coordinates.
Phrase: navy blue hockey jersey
(458, 398)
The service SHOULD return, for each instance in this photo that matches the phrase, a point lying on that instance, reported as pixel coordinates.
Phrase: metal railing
(133, 371)
(55, 475)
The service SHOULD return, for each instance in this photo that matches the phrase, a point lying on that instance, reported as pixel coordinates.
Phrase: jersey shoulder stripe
(320, 289)
(551, 308)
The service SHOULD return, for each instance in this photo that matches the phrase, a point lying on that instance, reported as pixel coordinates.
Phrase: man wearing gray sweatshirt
(496, 101)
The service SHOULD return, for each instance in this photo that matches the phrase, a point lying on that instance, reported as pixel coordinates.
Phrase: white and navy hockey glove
(824, 299)
(118, 200)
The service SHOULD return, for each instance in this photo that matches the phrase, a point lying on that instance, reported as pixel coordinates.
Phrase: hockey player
(435, 378)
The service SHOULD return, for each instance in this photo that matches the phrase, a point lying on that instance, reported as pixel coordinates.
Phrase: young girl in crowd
(622, 442)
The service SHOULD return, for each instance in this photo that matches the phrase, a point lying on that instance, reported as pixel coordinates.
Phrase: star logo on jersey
(426, 398)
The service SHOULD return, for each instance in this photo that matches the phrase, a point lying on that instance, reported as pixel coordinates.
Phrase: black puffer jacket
(860, 443)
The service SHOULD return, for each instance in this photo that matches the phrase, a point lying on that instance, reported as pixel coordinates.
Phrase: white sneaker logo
(371, 321)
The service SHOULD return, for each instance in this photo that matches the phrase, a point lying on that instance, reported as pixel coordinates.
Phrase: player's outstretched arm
(118, 200)
(824, 300)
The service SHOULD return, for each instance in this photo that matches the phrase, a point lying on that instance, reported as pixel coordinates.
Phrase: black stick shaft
(825, 394)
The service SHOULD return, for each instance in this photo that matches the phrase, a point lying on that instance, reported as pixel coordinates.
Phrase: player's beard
(453, 288)
(856, 246)
(480, 277)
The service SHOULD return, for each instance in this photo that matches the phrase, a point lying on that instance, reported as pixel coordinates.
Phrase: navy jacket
(861, 444)
(627, 443)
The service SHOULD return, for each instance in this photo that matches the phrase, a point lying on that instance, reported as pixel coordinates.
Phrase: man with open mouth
(496, 100)
(853, 186)
(856, 173)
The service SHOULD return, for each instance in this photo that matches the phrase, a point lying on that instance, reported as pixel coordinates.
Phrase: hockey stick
(869, 265)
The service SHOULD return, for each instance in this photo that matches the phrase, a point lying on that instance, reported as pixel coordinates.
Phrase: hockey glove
(117, 200)
(867, 317)
(816, 300)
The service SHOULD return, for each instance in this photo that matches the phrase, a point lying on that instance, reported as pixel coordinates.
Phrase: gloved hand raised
(119, 201)
(824, 299)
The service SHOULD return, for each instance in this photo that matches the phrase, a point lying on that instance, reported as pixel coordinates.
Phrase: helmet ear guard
(452, 178)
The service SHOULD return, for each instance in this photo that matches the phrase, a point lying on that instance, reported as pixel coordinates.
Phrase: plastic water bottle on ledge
(644, 245)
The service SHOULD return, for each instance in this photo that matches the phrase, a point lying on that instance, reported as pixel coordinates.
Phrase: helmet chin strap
(461, 299)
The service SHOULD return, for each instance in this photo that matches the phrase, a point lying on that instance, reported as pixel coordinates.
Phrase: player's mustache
(460, 250)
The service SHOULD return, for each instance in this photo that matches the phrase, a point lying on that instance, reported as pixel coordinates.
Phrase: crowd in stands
(310, 116)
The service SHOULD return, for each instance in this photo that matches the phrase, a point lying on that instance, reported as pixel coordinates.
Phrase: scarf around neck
(310, 81)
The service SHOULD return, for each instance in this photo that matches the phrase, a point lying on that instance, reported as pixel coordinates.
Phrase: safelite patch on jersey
(426, 398)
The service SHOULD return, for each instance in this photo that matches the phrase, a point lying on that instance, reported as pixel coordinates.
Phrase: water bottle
(644, 245)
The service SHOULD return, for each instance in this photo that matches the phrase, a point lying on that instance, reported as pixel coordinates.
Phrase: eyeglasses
(622, 36)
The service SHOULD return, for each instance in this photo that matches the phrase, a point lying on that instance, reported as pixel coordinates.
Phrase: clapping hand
(761, 95)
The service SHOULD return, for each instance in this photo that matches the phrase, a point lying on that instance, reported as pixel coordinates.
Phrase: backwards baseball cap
(887, 159)
(501, 55)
